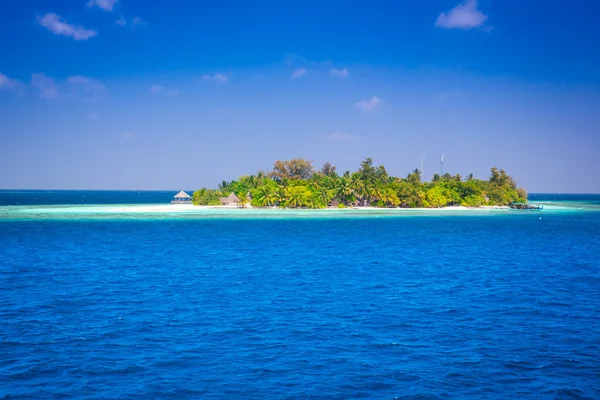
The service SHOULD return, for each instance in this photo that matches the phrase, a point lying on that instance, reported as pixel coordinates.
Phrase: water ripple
(409, 308)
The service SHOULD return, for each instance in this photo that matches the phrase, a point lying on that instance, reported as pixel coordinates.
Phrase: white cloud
(87, 84)
(121, 21)
(45, 85)
(369, 105)
(103, 4)
(158, 89)
(7, 83)
(136, 22)
(139, 22)
(78, 85)
(58, 26)
(299, 72)
(342, 137)
(218, 77)
(340, 73)
(463, 16)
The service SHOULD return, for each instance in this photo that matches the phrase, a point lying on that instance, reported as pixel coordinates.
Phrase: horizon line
(177, 190)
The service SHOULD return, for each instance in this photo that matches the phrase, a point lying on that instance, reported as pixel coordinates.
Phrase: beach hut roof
(182, 194)
(231, 198)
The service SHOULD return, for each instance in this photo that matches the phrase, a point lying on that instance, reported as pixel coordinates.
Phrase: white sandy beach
(191, 211)
(189, 208)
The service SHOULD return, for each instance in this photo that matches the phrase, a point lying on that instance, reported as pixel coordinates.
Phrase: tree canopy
(298, 168)
(296, 184)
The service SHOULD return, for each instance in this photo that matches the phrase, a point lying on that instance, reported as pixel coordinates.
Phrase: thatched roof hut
(231, 200)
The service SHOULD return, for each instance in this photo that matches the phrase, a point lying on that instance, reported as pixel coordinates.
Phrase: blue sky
(132, 94)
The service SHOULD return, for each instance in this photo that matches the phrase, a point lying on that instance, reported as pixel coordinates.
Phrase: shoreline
(192, 209)
(189, 208)
(159, 211)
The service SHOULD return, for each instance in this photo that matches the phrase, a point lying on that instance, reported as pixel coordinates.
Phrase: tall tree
(358, 187)
(344, 190)
(223, 186)
(367, 171)
(414, 178)
(328, 169)
(297, 168)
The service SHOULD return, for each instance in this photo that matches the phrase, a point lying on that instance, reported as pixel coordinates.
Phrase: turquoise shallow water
(113, 205)
(492, 305)
(144, 212)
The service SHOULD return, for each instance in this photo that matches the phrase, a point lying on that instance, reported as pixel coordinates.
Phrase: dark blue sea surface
(58, 197)
(456, 307)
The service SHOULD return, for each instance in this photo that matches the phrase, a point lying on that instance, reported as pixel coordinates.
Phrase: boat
(526, 206)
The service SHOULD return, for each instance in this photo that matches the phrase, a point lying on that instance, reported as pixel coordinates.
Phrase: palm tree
(358, 187)
(325, 195)
(343, 190)
(414, 177)
(293, 196)
(253, 182)
(243, 200)
(223, 186)
(266, 196)
(389, 197)
(316, 182)
(198, 195)
(375, 192)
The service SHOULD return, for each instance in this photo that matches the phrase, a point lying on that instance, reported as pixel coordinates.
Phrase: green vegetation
(296, 184)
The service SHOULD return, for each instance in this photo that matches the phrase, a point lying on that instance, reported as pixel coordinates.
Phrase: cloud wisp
(160, 90)
(340, 73)
(464, 16)
(106, 5)
(55, 24)
(86, 84)
(78, 85)
(7, 83)
(218, 77)
(44, 85)
(300, 72)
(135, 22)
(121, 21)
(369, 105)
(138, 22)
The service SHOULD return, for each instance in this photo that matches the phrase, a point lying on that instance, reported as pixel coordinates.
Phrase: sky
(144, 94)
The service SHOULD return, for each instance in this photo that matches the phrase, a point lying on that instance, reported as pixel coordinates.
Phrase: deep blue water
(460, 307)
(52, 197)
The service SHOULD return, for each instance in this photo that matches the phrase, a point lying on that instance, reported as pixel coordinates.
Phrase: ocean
(100, 301)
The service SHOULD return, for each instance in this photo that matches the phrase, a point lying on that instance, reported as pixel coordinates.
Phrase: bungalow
(231, 200)
(182, 198)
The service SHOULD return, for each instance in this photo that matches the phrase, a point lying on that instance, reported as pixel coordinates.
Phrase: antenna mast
(422, 168)
(442, 165)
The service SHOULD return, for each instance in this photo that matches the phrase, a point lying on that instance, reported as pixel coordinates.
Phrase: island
(297, 184)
